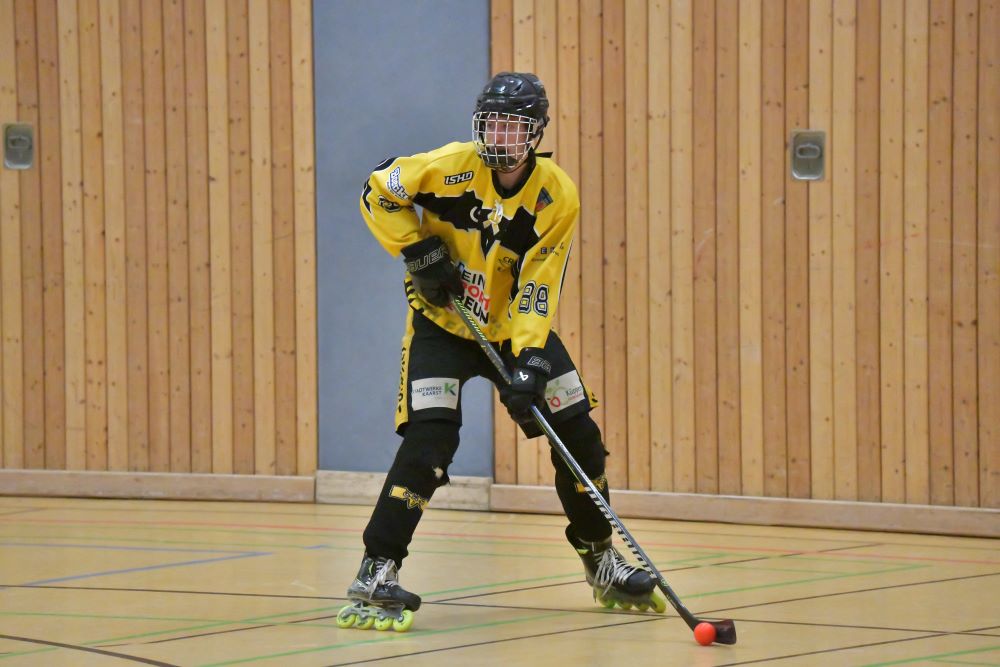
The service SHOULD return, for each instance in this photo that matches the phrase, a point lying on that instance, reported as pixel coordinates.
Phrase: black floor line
(490, 642)
(87, 649)
(835, 650)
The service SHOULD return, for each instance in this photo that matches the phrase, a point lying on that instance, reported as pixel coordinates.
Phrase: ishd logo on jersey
(475, 298)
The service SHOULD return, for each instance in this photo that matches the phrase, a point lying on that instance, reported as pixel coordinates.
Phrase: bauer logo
(434, 393)
(455, 179)
(395, 187)
(564, 391)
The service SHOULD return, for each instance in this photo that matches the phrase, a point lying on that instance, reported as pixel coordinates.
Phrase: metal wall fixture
(808, 154)
(18, 146)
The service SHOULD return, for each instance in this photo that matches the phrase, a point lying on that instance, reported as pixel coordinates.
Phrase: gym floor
(109, 582)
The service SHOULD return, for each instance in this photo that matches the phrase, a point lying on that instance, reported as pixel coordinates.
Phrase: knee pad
(582, 437)
(426, 452)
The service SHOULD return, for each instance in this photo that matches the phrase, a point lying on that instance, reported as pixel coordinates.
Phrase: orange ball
(704, 633)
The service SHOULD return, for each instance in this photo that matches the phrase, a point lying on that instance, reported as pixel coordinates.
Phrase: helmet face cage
(503, 140)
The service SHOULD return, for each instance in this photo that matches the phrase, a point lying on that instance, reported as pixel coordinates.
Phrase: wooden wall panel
(135, 244)
(11, 286)
(824, 339)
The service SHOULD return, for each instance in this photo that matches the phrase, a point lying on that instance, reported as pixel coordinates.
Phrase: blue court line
(234, 555)
(104, 547)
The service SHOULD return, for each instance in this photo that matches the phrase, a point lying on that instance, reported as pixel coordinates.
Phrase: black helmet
(510, 115)
(518, 93)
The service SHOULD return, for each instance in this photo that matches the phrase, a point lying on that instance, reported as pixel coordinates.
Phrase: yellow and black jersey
(511, 249)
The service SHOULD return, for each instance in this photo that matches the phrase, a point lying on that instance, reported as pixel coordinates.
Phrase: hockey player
(497, 228)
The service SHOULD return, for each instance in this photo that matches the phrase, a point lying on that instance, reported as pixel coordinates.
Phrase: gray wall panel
(392, 78)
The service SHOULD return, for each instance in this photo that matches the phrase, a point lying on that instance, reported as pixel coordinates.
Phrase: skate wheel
(625, 605)
(606, 603)
(404, 622)
(346, 617)
(659, 604)
(642, 607)
(365, 622)
(383, 624)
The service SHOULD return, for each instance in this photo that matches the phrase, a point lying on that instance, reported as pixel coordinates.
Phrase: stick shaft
(578, 472)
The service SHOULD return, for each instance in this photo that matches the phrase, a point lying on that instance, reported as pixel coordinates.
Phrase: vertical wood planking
(615, 333)
(682, 244)
(524, 61)
(95, 278)
(32, 268)
(241, 231)
(867, 247)
(727, 219)
(891, 241)
(220, 274)
(74, 321)
(705, 238)
(989, 254)
(751, 370)
(199, 299)
(658, 176)
(157, 278)
(504, 429)
(964, 253)
(135, 235)
(568, 156)
(283, 220)
(797, 281)
(637, 254)
(915, 250)
(939, 183)
(305, 237)
(820, 251)
(49, 161)
(843, 246)
(263, 240)
(546, 68)
(775, 447)
(11, 285)
(590, 235)
(115, 261)
(178, 269)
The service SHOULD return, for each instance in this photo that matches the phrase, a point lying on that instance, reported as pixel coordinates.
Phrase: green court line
(388, 637)
(901, 568)
(935, 656)
(966, 662)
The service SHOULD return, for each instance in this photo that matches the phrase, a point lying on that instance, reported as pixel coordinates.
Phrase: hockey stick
(725, 631)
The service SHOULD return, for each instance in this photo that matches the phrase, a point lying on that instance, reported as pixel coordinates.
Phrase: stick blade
(725, 632)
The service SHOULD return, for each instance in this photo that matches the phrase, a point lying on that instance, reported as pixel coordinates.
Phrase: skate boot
(615, 581)
(377, 599)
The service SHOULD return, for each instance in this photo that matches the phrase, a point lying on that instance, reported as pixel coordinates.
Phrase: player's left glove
(527, 385)
(433, 273)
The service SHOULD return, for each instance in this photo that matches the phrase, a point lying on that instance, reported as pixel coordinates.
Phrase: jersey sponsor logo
(434, 393)
(412, 500)
(564, 391)
(455, 179)
(395, 187)
(544, 199)
(389, 205)
(475, 299)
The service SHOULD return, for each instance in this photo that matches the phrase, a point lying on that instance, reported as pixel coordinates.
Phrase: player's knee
(427, 451)
(582, 437)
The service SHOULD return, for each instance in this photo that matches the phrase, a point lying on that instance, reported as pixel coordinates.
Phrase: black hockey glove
(434, 276)
(527, 384)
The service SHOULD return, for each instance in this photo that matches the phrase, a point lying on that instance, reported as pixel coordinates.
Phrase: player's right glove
(527, 384)
(432, 271)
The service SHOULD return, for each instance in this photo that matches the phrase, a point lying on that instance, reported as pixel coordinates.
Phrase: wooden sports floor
(118, 582)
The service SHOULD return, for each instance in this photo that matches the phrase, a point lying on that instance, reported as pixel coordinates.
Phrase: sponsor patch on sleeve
(434, 393)
(564, 391)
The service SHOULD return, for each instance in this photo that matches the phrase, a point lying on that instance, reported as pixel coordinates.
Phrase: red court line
(519, 538)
